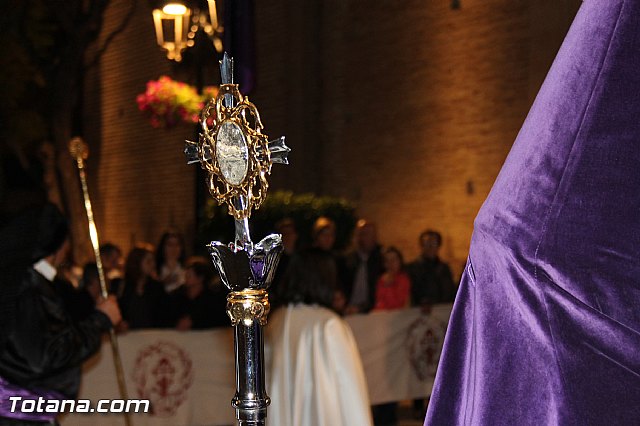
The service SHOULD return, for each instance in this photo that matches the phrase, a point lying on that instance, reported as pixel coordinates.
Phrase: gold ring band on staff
(247, 306)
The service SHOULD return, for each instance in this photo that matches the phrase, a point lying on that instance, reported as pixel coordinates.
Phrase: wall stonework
(139, 179)
(412, 107)
(407, 108)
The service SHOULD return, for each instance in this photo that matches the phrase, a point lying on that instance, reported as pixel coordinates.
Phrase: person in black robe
(42, 346)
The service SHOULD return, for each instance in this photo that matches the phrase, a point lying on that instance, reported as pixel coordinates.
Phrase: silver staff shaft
(238, 158)
(80, 152)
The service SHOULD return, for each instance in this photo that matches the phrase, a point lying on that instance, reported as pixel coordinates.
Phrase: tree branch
(113, 35)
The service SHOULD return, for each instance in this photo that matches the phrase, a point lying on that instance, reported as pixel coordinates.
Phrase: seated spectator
(111, 256)
(169, 260)
(316, 375)
(393, 287)
(144, 303)
(196, 305)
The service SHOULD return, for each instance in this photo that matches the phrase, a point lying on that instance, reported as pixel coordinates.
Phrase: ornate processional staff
(238, 158)
(80, 152)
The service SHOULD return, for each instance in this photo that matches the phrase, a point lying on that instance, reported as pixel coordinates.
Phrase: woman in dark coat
(144, 303)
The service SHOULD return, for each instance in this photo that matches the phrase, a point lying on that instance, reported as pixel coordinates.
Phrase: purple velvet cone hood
(546, 326)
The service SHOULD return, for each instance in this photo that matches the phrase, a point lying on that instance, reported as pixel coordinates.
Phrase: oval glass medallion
(232, 152)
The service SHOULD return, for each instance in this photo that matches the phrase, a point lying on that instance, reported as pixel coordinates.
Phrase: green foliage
(217, 225)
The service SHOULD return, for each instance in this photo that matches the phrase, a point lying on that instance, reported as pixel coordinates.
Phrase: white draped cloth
(316, 371)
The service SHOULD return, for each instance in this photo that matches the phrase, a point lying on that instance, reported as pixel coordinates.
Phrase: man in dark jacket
(431, 280)
(364, 266)
(41, 346)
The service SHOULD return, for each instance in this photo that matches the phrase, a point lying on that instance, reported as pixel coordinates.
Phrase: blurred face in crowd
(366, 236)
(172, 248)
(113, 260)
(326, 238)
(339, 301)
(289, 238)
(148, 265)
(191, 279)
(392, 262)
(430, 246)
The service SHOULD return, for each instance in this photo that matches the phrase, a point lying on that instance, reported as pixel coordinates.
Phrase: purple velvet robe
(546, 326)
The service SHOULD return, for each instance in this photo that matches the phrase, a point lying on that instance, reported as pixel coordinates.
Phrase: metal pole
(238, 157)
(80, 152)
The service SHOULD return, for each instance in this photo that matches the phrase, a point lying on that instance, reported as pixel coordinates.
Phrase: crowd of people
(161, 288)
(158, 288)
(372, 276)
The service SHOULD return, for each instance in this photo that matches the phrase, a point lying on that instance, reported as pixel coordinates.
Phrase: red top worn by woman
(393, 292)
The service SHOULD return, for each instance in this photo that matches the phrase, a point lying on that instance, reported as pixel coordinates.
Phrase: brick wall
(139, 179)
(407, 108)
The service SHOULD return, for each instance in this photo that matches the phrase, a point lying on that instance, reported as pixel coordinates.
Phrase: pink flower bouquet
(168, 102)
